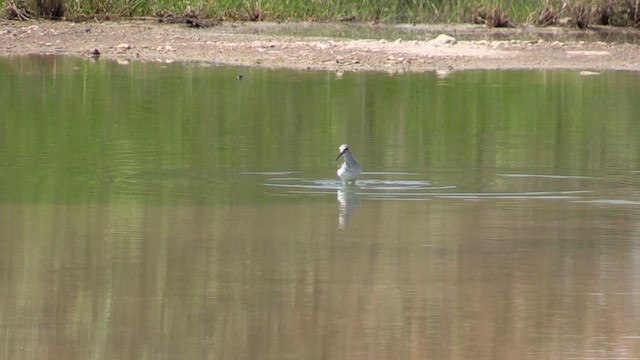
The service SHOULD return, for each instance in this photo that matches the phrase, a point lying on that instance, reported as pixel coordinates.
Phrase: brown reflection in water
(438, 279)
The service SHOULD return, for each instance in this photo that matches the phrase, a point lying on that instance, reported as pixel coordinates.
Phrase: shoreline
(260, 44)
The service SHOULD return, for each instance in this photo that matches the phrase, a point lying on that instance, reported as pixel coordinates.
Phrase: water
(174, 211)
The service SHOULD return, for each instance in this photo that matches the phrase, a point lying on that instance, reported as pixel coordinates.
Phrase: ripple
(611, 202)
(269, 173)
(393, 184)
(373, 189)
(520, 194)
(403, 189)
(387, 173)
(369, 185)
(545, 176)
(394, 198)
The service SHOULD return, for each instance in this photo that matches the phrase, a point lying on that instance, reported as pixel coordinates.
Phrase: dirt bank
(260, 44)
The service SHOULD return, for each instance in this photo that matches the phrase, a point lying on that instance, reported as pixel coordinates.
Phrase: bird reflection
(349, 201)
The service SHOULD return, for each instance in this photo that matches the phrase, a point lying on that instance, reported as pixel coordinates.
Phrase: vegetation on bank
(497, 13)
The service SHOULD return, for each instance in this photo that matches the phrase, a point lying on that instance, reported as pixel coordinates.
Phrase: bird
(350, 169)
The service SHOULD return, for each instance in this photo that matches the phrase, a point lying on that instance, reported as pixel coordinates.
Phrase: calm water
(169, 211)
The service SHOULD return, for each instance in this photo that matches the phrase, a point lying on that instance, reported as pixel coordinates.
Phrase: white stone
(442, 39)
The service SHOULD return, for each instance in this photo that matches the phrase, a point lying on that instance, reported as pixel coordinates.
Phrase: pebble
(442, 39)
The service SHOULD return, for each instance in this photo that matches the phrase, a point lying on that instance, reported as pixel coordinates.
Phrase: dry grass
(586, 14)
(494, 17)
(191, 17)
(17, 11)
(494, 13)
(254, 11)
(51, 9)
(580, 15)
(618, 13)
(548, 17)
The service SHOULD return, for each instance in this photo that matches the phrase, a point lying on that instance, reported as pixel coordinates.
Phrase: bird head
(343, 148)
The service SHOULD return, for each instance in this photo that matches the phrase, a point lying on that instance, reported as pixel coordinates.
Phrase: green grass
(580, 13)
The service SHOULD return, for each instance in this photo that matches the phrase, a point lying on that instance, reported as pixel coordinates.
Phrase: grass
(495, 13)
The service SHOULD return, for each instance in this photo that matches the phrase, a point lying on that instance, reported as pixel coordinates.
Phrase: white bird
(350, 169)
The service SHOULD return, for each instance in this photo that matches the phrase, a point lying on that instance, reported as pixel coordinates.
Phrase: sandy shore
(258, 44)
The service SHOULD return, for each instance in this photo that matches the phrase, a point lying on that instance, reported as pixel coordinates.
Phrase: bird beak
(341, 153)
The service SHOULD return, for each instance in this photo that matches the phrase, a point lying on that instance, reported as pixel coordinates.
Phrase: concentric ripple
(400, 186)
(377, 185)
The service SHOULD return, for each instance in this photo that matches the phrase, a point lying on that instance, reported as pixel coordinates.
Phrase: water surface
(174, 211)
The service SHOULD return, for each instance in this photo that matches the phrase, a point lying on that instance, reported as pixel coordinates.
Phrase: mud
(299, 46)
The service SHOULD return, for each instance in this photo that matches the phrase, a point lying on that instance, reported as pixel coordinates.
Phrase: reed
(496, 13)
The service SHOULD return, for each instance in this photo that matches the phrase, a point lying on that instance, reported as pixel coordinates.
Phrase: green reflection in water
(74, 130)
(133, 225)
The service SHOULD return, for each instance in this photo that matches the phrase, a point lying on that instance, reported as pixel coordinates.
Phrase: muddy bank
(261, 44)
